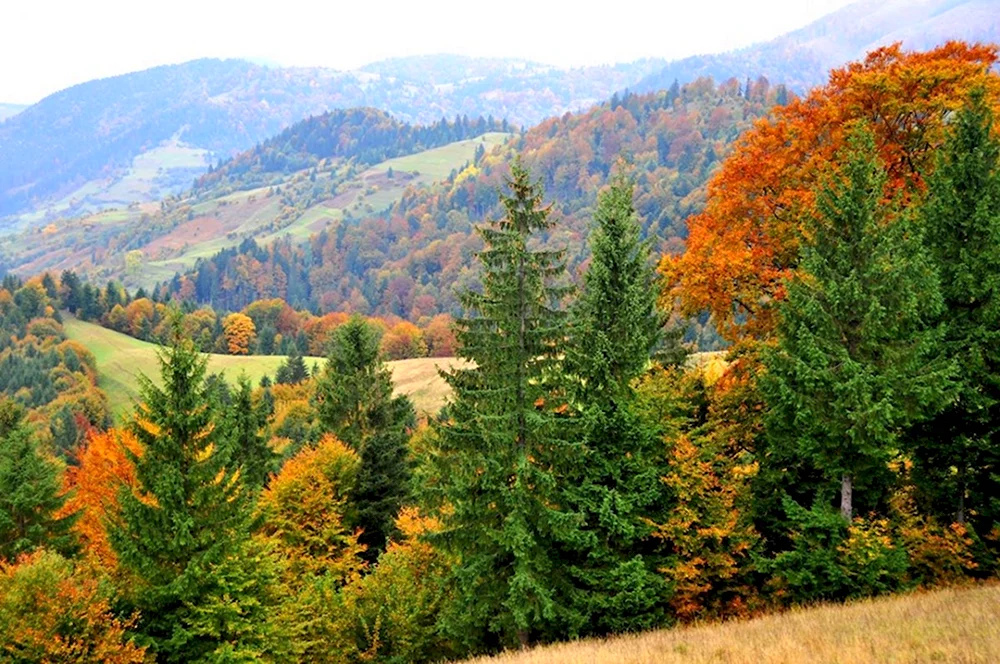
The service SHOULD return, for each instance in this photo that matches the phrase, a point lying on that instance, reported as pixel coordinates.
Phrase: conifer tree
(293, 371)
(30, 491)
(855, 361)
(956, 455)
(503, 444)
(355, 403)
(247, 446)
(184, 535)
(616, 326)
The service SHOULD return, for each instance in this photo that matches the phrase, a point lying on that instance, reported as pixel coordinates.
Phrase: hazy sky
(47, 45)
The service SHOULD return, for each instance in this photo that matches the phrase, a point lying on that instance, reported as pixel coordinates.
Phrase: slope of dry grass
(952, 625)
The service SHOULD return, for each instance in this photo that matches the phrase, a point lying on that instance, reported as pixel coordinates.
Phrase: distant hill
(141, 136)
(8, 110)
(802, 58)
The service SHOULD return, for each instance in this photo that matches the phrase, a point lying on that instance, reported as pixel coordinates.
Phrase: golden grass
(951, 625)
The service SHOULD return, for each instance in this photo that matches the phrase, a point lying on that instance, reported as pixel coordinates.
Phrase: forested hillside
(319, 170)
(586, 478)
(802, 58)
(67, 152)
(411, 260)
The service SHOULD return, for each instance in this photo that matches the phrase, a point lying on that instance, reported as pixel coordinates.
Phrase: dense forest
(43, 371)
(587, 477)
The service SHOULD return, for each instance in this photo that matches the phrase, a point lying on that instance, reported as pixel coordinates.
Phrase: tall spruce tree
(354, 401)
(956, 454)
(248, 449)
(855, 359)
(504, 444)
(184, 535)
(615, 327)
(30, 491)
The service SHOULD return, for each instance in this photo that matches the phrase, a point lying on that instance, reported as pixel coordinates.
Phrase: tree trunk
(847, 497)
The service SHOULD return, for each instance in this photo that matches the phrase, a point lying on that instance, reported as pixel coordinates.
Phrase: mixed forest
(589, 475)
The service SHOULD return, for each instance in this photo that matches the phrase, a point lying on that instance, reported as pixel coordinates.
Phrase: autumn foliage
(747, 240)
(51, 611)
(102, 469)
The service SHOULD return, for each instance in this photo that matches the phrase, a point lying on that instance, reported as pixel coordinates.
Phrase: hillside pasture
(122, 359)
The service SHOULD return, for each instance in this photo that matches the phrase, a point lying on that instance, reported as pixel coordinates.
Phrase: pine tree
(247, 446)
(503, 444)
(184, 535)
(616, 326)
(30, 491)
(355, 403)
(956, 453)
(855, 360)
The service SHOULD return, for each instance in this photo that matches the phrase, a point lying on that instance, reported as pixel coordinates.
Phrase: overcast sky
(48, 45)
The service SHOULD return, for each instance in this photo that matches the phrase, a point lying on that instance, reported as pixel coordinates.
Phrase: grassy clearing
(437, 164)
(953, 625)
(121, 359)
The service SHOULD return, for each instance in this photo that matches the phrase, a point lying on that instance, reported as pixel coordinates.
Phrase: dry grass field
(952, 625)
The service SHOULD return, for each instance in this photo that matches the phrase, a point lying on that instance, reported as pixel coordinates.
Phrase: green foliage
(293, 371)
(30, 491)
(354, 401)
(615, 326)
(245, 422)
(830, 559)
(503, 446)
(856, 360)
(183, 535)
(955, 454)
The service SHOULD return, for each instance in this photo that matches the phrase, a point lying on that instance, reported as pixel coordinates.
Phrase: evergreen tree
(248, 448)
(293, 370)
(854, 360)
(184, 534)
(355, 402)
(956, 455)
(616, 325)
(30, 491)
(503, 443)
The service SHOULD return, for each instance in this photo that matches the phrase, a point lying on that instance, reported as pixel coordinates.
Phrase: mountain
(802, 58)
(9, 110)
(139, 137)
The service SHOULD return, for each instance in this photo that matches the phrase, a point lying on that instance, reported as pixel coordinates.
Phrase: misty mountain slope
(9, 110)
(802, 58)
(62, 155)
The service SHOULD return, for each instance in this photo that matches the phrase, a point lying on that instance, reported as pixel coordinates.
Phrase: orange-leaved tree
(746, 241)
(306, 511)
(53, 611)
(93, 486)
(240, 333)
